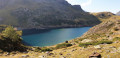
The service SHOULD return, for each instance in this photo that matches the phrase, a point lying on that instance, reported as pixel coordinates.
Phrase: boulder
(42, 56)
(97, 47)
(49, 54)
(25, 56)
(86, 40)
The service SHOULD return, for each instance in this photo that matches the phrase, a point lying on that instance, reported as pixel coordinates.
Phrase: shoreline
(44, 30)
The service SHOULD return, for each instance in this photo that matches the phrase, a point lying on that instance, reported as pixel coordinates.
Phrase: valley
(57, 29)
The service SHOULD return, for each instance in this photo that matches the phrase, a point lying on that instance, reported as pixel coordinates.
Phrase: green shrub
(85, 44)
(81, 39)
(63, 45)
(111, 32)
(10, 40)
(37, 49)
(95, 43)
(44, 49)
(116, 38)
(12, 34)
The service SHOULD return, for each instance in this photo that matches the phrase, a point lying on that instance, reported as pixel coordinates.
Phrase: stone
(107, 51)
(95, 55)
(112, 47)
(86, 40)
(73, 50)
(68, 54)
(53, 56)
(7, 54)
(97, 47)
(116, 42)
(12, 55)
(63, 57)
(47, 52)
(42, 56)
(101, 51)
(25, 56)
(118, 49)
(73, 43)
(25, 52)
(50, 54)
(114, 50)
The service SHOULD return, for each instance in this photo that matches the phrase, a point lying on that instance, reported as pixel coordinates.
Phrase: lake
(54, 36)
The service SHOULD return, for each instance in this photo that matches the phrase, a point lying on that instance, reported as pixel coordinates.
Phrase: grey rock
(63, 57)
(42, 56)
(97, 47)
(25, 56)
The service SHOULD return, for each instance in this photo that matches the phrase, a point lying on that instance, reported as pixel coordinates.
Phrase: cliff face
(44, 13)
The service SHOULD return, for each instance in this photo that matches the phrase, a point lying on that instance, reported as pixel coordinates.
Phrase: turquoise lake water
(54, 36)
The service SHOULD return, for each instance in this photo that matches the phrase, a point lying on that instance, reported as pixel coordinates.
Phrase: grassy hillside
(103, 39)
(103, 15)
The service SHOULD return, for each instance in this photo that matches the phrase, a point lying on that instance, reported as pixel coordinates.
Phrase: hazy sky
(98, 5)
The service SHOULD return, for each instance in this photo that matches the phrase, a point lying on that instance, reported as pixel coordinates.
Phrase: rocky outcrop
(108, 29)
(103, 15)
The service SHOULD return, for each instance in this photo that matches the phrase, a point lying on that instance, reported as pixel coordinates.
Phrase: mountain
(102, 16)
(107, 29)
(102, 39)
(44, 14)
(118, 13)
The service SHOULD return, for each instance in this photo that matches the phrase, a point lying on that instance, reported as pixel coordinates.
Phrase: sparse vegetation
(43, 49)
(116, 39)
(95, 43)
(63, 45)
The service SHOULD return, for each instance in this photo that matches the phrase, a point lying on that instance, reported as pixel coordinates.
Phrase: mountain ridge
(44, 13)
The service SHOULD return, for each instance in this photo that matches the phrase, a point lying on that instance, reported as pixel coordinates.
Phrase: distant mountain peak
(118, 13)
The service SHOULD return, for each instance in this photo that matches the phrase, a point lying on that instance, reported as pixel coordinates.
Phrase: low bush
(85, 44)
(44, 49)
(116, 39)
(63, 45)
(95, 43)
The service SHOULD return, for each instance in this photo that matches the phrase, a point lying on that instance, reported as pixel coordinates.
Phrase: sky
(98, 5)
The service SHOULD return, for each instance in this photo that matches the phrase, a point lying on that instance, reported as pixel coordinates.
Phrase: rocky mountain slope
(44, 13)
(103, 39)
(118, 13)
(102, 16)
